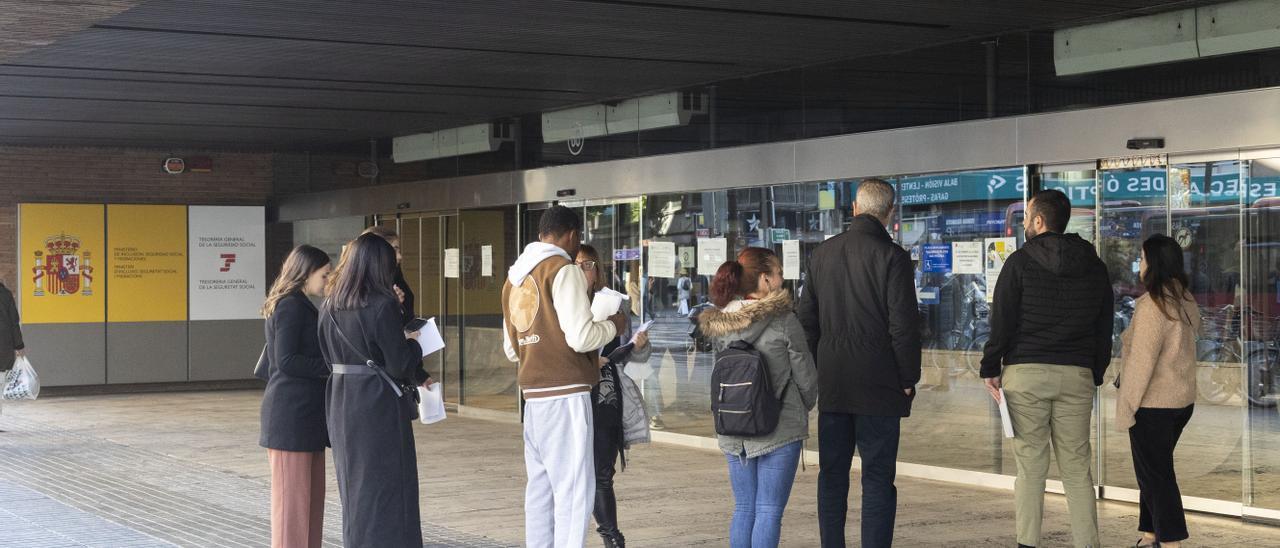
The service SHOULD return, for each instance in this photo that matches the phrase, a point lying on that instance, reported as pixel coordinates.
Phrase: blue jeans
(761, 487)
(876, 439)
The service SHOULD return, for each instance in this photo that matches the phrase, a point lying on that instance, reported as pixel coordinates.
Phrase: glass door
(1261, 302)
(489, 246)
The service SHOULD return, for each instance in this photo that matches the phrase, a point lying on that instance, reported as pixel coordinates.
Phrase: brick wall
(132, 176)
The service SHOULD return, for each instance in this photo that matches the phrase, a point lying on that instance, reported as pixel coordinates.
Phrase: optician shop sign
(1148, 185)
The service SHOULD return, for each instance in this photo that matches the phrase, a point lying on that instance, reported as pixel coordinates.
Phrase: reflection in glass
(1262, 330)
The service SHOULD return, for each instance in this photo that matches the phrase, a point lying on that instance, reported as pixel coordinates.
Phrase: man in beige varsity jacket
(549, 329)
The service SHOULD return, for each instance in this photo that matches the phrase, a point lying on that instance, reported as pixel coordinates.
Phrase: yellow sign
(61, 251)
(147, 263)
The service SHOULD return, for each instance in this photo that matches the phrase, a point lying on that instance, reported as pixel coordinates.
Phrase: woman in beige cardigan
(1157, 387)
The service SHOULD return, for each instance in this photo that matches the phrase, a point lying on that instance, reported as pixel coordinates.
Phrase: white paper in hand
(431, 404)
(643, 327)
(429, 338)
(606, 303)
(1006, 422)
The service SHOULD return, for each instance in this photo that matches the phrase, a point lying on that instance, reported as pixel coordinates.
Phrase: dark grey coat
(293, 403)
(10, 329)
(371, 430)
(770, 325)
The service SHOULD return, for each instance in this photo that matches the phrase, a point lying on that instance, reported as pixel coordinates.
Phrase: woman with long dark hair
(606, 407)
(1157, 387)
(753, 307)
(376, 366)
(293, 424)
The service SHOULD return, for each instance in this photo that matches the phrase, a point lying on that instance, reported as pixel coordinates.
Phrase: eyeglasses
(587, 266)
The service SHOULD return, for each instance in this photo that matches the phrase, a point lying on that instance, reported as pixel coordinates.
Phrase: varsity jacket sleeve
(506, 344)
(573, 307)
(1005, 309)
(904, 318)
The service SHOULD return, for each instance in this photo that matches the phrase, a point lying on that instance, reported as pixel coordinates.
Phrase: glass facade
(958, 227)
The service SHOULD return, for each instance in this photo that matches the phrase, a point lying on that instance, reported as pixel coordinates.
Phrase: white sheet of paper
(451, 262)
(1006, 422)
(791, 259)
(486, 260)
(605, 303)
(429, 338)
(431, 404)
(643, 327)
(712, 252)
(662, 259)
(966, 257)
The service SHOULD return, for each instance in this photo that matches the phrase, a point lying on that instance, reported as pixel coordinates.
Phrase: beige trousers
(297, 498)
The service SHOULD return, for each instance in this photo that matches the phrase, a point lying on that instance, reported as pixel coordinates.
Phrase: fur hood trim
(719, 323)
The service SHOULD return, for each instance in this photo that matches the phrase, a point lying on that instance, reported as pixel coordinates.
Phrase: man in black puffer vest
(1051, 332)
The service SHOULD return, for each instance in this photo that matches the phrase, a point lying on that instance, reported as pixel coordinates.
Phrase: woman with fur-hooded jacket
(752, 306)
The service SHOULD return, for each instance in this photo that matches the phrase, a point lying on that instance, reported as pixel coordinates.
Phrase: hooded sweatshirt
(1053, 305)
(547, 313)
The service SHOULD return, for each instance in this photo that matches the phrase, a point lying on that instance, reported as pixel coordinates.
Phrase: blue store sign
(935, 258)
(992, 184)
(1150, 186)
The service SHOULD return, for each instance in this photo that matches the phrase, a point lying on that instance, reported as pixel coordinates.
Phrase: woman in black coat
(376, 367)
(293, 425)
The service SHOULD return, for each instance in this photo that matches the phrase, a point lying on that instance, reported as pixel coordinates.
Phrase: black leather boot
(606, 514)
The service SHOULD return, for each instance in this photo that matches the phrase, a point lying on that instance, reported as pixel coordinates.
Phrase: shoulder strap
(338, 328)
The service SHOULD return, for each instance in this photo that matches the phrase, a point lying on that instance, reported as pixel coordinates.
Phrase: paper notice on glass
(486, 260)
(451, 262)
(429, 338)
(1006, 422)
(791, 259)
(662, 259)
(605, 303)
(966, 257)
(712, 252)
(431, 404)
(997, 251)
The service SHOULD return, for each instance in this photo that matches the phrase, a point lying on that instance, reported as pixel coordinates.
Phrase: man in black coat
(1050, 343)
(860, 315)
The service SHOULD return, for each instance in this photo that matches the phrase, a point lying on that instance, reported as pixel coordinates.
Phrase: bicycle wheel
(1263, 380)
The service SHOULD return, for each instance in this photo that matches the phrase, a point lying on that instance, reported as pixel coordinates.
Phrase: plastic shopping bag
(431, 404)
(21, 382)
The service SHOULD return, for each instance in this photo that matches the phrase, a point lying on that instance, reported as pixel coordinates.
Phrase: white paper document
(712, 252)
(606, 303)
(452, 260)
(966, 257)
(791, 259)
(1005, 421)
(662, 259)
(643, 327)
(486, 260)
(431, 404)
(429, 338)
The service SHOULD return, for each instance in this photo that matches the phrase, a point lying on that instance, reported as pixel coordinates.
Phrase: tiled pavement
(101, 493)
(184, 468)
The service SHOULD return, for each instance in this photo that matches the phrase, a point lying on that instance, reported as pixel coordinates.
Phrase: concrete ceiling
(310, 74)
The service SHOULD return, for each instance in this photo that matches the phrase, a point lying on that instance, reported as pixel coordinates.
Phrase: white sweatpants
(562, 477)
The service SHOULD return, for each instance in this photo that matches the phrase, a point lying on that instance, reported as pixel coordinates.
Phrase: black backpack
(742, 401)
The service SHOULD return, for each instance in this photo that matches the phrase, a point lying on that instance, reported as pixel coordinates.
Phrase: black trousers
(608, 444)
(1152, 440)
(876, 441)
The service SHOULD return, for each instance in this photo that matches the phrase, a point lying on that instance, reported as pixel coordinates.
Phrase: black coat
(1053, 304)
(862, 322)
(293, 405)
(370, 428)
(10, 329)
